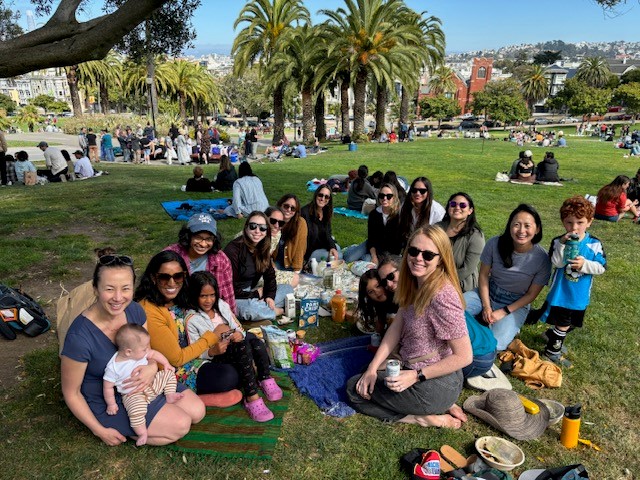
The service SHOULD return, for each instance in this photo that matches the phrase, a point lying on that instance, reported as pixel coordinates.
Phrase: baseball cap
(202, 222)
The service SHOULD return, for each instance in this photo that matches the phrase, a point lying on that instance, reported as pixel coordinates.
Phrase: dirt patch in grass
(39, 282)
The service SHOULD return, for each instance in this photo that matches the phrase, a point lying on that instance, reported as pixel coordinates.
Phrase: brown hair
(408, 292)
(578, 207)
(198, 171)
(262, 251)
(614, 189)
(327, 210)
(290, 229)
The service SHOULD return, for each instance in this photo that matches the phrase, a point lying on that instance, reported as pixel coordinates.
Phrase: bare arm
(109, 397)
(72, 374)
(161, 359)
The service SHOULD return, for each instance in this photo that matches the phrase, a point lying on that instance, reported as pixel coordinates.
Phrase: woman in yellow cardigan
(289, 255)
(162, 292)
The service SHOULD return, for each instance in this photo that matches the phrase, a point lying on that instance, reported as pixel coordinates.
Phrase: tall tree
(439, 107)
(443, 81)
(268, 27)
(629, 96)
(64, 41)
(535, 85)
(191, 83)
(547, 57)
(501, 100)
(594, 71)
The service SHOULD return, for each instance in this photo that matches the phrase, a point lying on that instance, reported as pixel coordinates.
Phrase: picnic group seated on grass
(443, 301)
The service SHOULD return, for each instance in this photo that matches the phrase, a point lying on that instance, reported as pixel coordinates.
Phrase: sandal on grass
(271, 389)
(558, 360)
(258, 411)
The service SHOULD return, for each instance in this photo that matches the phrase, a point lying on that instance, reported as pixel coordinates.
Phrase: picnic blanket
(349, 213)
(325, 380)
(182, 210)
(229, 432)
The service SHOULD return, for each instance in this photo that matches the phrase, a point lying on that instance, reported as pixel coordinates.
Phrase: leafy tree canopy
(245, 93)
(581, 99)
(631, 76)
(629, 96)
(49, 103)
(439, 107)
(502, 101)
(547, 57)
(6, 103)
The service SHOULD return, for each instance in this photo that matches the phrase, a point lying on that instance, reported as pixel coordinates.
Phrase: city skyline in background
(468, 26)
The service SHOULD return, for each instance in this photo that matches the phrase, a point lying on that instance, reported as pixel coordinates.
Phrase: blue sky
(468, 25)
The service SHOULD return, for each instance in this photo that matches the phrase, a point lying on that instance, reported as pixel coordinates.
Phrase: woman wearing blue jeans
(250, 257)
(513, 270)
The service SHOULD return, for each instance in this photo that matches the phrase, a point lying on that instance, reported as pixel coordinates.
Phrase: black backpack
(20, 313)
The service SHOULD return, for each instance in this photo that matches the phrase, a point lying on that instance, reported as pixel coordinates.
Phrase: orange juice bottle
(338, 307)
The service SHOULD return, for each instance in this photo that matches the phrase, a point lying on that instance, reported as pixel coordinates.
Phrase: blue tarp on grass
(182, 210)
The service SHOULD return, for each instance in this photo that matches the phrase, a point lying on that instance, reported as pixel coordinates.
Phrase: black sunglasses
(427, 255)
(275, 221)
(382, 196)
(324, 196)
(167, 277)
(287, 206)
(390, 277)
(421, 191)
(462, 205)
(107, 260)
(261, 226)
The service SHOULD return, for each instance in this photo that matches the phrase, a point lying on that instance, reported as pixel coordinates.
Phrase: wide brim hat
(490, 380)
(503, 410)
(202, 222)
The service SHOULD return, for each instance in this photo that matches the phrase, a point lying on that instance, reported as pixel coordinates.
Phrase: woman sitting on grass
(289, 254)
(375, 305)
(226, 175)
(419, 209)
(612, 203)
(360, 190)
(318, 213)
(88, 347)
(433, 342)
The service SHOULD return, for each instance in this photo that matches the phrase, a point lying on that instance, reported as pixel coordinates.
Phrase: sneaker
(258, 411)
(558, 359)
(271, 389)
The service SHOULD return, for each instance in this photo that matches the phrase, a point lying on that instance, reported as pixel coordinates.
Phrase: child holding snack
(133, 351)
(239, 348)
(570, 290)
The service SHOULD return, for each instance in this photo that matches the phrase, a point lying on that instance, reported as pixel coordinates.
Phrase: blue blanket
(325, 380)
(182, 210)
(349, 213)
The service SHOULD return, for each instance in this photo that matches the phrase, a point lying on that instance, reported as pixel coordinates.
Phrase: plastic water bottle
(314, 267)
(571, 248)
(328, 277)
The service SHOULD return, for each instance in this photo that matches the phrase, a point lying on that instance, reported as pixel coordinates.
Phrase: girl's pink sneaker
(257, 410)
(271, 389)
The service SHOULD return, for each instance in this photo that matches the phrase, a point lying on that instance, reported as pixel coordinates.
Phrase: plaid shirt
(220, 266)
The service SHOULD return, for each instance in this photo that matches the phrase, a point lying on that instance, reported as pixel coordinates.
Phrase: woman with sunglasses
(317, 213)
(289, 254)
(199, 245)
(88, 347)
(163, 294)
(389, 272)
(360, 190)
(513, 270)
(420, 208)
(433, 342)
(466, 237)
(248, 194)
(375, 305)
(383, 229)
(276, 223)
(251, 261)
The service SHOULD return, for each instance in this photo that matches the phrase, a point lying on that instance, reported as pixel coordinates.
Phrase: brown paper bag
(30, 178)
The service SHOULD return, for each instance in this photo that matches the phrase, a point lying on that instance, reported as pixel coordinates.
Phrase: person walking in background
(82, 140)
(107, 146)
(92, 144)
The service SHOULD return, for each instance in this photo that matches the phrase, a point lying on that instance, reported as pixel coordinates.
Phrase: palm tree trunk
(404, 106)
(307, 115)
(104, 98)
(344, 106)
(321, 126)
(381, 108)
(278, 114)
(183, 105)
(72, 80)
(359, 94)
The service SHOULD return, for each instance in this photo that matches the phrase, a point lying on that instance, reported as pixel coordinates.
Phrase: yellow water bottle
(571, 426)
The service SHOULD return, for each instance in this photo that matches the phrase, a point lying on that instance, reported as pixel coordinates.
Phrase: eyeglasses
(289, 207)
(106, 260)
(275, 221)
(263, 227)
(462, 205)
(390, 277)
(204, 239)
(323, 196)
(421, 191)
(167, 277)
(382, 196)
(427, 255)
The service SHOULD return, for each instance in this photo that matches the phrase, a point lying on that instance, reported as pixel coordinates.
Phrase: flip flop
(453, 456)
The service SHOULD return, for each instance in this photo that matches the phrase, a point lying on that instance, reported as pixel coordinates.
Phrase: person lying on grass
(433, 342)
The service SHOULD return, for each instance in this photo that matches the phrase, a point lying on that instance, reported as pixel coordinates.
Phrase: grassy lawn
(25, 143)
(48, 234)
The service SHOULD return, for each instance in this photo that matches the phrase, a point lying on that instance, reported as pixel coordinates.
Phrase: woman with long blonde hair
(431, 339)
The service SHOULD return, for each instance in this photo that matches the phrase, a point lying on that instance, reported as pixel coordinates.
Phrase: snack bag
(278, 346)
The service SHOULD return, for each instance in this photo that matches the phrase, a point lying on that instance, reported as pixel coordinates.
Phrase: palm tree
(370, 35)
(101, 74)
(297, 63)
(28, 115)
(134, 78)
(535, 85)
(442, 81)
(191, 83)
(594, 71)
(269, 26)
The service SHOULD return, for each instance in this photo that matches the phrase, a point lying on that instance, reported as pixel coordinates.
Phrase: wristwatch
(421, 377)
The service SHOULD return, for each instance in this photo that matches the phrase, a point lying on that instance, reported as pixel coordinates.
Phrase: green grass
(25, 143)
(48, 233)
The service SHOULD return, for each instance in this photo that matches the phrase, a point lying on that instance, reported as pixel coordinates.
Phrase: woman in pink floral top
(431, 334)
